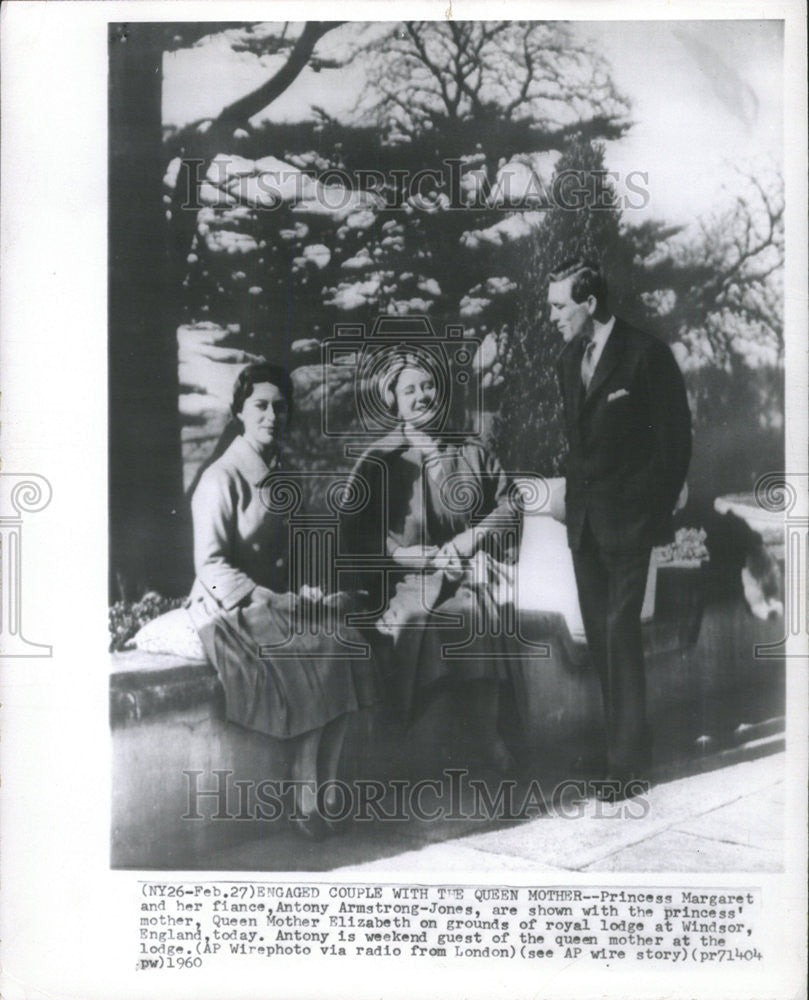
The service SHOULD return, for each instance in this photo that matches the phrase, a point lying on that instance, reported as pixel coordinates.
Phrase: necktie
(588, 364)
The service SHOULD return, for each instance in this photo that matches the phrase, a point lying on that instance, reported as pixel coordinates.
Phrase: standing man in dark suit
(629, 445)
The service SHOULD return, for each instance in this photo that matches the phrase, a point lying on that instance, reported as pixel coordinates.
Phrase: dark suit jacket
(629, 440)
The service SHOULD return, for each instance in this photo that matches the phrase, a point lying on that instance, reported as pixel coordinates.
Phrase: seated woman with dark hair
(290, 682)
(442, 516)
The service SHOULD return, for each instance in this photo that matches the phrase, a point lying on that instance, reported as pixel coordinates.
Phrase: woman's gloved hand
(415, 556)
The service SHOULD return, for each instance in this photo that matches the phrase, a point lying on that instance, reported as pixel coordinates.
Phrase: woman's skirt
(288, 666)
(445, 628)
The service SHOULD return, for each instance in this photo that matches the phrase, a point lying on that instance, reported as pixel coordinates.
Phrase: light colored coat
(280, 676)
(238, 542)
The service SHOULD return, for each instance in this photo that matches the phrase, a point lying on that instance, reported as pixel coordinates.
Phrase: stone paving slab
(756, 824)
(580, 843)
(675, 850)
(730, 819)
(285, 851)
(454, 856)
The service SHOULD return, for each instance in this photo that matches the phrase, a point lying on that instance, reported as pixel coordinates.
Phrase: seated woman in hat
(441, 511)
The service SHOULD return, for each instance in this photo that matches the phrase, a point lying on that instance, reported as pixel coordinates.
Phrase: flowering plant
(688, 546)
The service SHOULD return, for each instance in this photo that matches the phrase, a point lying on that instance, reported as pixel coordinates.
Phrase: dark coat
(629, 441)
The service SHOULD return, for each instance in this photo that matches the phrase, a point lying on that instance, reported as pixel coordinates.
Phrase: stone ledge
(156, 744)
(144, 685)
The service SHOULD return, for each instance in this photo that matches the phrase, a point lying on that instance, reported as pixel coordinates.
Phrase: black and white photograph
(406, 418)
(446, 445)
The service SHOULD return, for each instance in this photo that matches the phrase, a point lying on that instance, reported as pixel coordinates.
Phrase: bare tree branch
(245, 107)
(486, 72)
(729, 275)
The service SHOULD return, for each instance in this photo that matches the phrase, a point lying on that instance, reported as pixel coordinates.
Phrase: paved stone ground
(719, 815)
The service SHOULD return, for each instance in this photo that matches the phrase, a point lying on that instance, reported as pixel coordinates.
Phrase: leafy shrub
(126, 618)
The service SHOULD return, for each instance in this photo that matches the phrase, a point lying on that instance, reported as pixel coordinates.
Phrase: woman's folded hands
(431, 557)
(415, 556)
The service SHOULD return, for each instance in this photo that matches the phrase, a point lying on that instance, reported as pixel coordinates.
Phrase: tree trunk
(149, 526)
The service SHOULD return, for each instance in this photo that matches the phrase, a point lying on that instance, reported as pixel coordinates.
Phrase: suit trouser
(611, 586)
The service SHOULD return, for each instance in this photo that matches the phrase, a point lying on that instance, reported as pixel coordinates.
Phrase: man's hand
(682, 499)
(311, 593)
